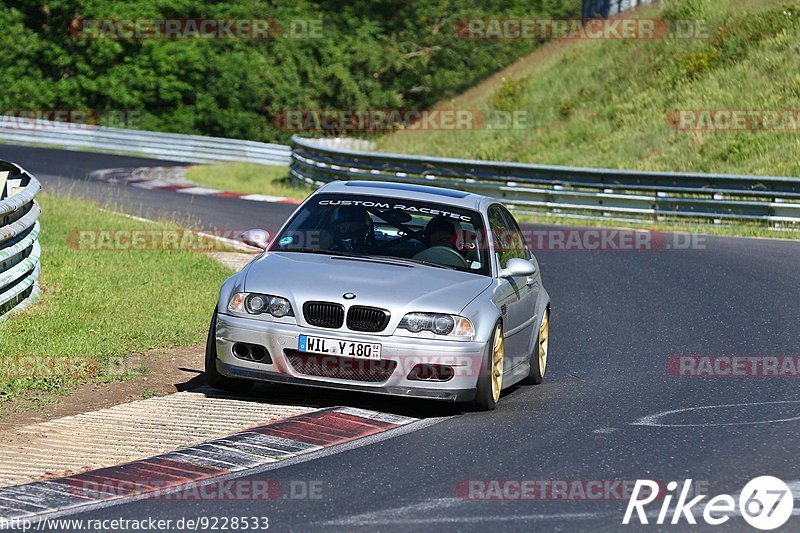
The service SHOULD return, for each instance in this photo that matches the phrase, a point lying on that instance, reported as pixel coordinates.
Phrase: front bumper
(281, 341)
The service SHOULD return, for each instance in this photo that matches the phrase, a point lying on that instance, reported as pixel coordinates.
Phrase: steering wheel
(442, 255)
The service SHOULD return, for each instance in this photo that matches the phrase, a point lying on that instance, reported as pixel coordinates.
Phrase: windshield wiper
(318, 251)
(364, 256)
(418, 261)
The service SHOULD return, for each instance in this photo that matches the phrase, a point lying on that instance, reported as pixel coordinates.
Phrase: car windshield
(383, 228)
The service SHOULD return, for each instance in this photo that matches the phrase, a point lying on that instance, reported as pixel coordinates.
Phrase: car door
(516, 296)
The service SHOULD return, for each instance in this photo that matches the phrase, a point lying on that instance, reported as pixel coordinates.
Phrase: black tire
(484, 398)
(536, 376)
(213, 377)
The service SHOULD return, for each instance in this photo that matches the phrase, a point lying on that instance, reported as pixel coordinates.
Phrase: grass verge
(248, 178)
(99, 306)
(608, 103)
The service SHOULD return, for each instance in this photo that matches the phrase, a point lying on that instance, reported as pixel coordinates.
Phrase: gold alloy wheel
(498, 357)
(544, 332)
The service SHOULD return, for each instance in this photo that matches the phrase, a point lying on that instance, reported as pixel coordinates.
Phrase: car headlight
(256, 304)
(440, 324)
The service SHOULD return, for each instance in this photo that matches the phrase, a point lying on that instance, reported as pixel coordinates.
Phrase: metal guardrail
(608, 8)
(566, 191)
(171, 146)
(19, 243)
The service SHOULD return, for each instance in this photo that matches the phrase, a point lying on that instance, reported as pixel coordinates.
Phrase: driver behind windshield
(440, 232)
(352, 228)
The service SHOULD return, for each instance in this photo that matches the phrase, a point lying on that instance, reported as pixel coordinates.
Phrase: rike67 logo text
(765, 503)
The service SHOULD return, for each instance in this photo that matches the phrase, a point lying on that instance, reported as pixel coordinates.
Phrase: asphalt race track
(617, 318)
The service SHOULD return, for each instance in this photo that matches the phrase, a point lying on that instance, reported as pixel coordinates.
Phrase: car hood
(397, 286)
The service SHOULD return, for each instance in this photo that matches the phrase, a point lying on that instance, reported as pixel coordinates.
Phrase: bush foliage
(615, 103)
(372, 54)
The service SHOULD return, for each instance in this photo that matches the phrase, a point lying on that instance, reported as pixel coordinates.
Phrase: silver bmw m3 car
(388, 288)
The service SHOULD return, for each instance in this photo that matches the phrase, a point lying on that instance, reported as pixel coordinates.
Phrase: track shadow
(283, 394)
(199, 380)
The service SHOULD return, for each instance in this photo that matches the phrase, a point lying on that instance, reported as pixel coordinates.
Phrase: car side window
(502, 234)
(515, 239)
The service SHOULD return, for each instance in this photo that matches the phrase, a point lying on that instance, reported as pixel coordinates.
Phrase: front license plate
(320, 345)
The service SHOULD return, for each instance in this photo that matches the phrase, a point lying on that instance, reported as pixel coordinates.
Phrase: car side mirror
(518, 267)
(257, 238)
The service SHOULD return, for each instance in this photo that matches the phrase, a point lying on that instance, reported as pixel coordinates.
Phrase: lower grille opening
(251, 352)
(331, 366)
(428, 372)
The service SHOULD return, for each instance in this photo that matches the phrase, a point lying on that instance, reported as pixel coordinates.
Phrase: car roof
(407, 191)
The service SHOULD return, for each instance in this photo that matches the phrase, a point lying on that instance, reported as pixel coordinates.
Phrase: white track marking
(432, 509)
(198, 190)
(655, 419)
(262, 198)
